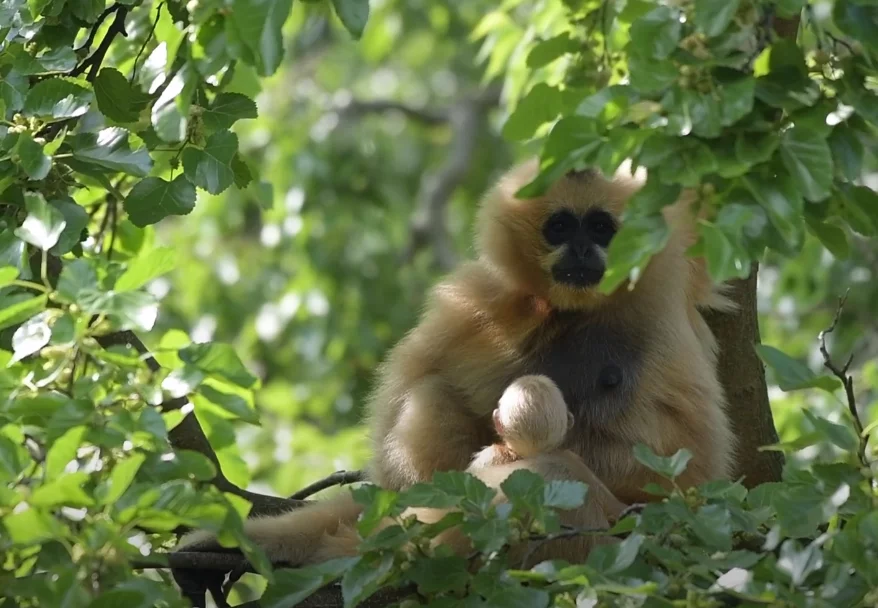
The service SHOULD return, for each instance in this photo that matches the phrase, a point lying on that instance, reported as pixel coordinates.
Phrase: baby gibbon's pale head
(554, 246)
(532, 417)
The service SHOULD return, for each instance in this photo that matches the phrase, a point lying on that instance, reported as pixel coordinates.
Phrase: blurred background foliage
(314, 277)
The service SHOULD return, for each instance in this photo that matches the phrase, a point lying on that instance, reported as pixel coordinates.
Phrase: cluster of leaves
(808, 540)
(90, 479)
(770, 133)
(113, 117)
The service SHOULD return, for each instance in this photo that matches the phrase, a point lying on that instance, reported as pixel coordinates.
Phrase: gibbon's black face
(582, 241)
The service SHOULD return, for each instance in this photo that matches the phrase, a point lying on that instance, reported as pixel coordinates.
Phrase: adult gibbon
(634, 366)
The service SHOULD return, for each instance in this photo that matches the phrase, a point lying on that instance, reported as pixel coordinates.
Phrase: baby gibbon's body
(530, 419)
(635, 366)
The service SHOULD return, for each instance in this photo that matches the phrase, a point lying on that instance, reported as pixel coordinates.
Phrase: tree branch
(95, 59)
(339, 478)
(356, 109)
(742, 375)
(429, 226)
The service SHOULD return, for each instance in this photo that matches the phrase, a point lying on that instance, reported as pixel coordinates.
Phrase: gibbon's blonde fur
(531, 419)
(634, 366)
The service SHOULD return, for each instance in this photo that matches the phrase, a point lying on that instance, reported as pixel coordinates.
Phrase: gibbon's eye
(559, 227)
(602, 227)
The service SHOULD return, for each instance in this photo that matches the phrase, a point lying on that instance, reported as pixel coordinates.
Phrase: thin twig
(158, 13)
(95, 60)
(846, 380)
(97, 26)
(339, 478)
(566, 532)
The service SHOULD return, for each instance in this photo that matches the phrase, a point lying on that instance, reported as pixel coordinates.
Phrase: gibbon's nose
(582, 250)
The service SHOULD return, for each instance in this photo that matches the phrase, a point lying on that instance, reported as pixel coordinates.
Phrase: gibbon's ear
(570, 420)
(498, 424)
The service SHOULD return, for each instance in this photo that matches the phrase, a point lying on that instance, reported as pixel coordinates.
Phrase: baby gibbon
(634, 366)
(531, 418)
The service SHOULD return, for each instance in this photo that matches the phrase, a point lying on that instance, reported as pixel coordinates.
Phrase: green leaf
(13, 90)
(43, 225)
(783, 204)
(146, 267)
(614, 558)
(564, 494)
(7, 275)
(32, 158)
(650, 76)
(110, 149)
(57, 98)
(712, 17)
(88, 10)
(540, 105)
(833, 238)
(793, 375)
(76, 276)
(235, 405)
(16, 308)
(117, 99)
(847, 152)
(365, 578)
(723, 260)
(153, 199)
(258, 24)
(243, 176)
(670, 467)
(66, 490)
(807, 157)
(790, 8)
(353, 14)
(218, 360)
(440, 574)
(799, 564)
(76, 219)
(737, 100)
(547, 51)
(713, 525)
(31, 526)
(657, 33)
(211, 168)
(227, 109)
(120, 479)
(842, 436)
(858, 205)
(858, 20)
(31, 336)
(131, 309)
(632, 247)
(291, 587)
(64, 450)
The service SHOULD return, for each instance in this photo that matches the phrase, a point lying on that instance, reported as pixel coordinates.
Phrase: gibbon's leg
(316, 532)
(433, 432)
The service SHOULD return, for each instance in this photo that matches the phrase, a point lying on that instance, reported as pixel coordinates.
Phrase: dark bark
(743, 376)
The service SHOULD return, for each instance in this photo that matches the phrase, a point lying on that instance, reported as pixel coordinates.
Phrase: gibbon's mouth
(577, 276)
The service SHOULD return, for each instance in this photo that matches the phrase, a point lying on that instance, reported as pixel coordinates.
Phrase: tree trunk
(743, 376)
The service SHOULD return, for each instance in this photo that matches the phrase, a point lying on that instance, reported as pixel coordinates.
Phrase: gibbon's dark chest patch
(596, 366)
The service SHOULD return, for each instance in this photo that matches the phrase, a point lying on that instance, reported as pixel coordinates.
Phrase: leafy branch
(847, 382)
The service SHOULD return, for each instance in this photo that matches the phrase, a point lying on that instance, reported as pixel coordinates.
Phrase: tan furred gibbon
(531, 419)
(634, 366)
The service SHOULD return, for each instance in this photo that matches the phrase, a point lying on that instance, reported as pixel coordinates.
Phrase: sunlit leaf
(211, 168)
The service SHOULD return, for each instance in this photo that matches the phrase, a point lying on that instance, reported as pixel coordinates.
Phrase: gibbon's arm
(433, 404)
